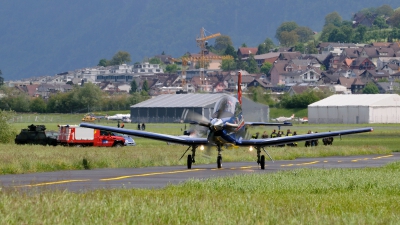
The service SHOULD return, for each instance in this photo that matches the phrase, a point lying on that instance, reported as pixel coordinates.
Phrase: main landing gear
(261, 158)
(190, 158)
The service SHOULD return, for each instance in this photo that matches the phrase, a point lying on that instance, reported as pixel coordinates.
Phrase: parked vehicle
(126, 120)
(73, 135)
(35, 134)
(128, 139)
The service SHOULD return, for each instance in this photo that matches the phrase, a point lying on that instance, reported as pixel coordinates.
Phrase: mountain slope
(46, 37)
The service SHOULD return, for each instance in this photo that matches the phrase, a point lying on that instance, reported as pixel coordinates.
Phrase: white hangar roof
(180, 100)
(359, 100)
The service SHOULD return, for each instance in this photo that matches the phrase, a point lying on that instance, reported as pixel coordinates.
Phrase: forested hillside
(46, 37)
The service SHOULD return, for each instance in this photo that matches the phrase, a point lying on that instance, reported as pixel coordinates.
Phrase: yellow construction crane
(201, 42)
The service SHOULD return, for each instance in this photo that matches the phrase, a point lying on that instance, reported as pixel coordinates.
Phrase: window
(142, 70)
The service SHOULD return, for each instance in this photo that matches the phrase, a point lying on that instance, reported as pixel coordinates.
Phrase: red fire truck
(73, 135)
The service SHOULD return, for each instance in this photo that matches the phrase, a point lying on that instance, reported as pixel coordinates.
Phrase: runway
(159, 177)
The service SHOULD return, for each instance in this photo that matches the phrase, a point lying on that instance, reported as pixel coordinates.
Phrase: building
(356, 109)
(174, 108)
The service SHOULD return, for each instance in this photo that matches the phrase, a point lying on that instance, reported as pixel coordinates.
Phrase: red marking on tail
(240, 87)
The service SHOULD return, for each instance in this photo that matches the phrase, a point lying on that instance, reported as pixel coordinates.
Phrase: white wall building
(356, 109)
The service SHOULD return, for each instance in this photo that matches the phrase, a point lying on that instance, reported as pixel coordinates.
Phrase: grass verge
(304, 196)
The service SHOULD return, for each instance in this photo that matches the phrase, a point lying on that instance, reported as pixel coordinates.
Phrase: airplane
(227, 128)
(118, 116)
(283, 119)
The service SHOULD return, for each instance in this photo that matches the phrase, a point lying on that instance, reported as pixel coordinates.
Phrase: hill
(47, 37)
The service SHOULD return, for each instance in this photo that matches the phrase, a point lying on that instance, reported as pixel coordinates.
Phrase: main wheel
(262, 162)
(219, 162)
(189, 162)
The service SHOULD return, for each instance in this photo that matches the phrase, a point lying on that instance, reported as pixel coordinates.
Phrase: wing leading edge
(297, 138)
(156, 136)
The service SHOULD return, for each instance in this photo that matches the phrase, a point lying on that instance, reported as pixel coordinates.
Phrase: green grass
(17, 159)
(304, 196)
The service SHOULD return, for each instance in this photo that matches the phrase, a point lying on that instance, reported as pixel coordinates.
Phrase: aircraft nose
(217, 124)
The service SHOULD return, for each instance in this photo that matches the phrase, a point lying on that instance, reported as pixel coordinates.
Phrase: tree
(370, 88)
(228, 65)
(265, 47)
(333, 18)
(311, 47)
(38, 105)
(288, 38)
(171, 68)
(299, 47)
(385, 10)
(86, 97)
(103, 62)
(326, 31)
(134, 87)
(145, 86)
(252, 64)
(285, 27)
(155, 61)
(348, 32)
(222, 42)
(359, 36)
(266, 67)
(305, 34)
(120, 57)
(244, 45)
(395, 19)
(380, 22)
(7, 131)
(230, 50)
(260, 95)
(1, 78)
(337, 36)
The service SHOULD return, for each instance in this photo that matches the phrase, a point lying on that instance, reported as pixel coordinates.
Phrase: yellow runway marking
(302, 164)
(51, 183)
(385, 156)
(150, 174)
(247, 167)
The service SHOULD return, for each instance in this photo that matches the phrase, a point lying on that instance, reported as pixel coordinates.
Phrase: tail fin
(240, 87)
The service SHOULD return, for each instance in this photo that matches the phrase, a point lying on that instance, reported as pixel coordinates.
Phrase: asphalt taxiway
(158, 177)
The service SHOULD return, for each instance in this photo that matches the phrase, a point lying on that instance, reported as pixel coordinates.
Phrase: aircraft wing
(297, 138)
(267, 124)
(184, 140)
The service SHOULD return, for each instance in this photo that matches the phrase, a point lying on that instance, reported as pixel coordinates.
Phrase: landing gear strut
(219, 158)
(261, 158)
(190, 158)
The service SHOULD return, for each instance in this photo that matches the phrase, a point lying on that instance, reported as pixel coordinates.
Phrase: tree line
(86, 98)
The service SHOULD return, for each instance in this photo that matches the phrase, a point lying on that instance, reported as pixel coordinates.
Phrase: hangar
(355, 109)
(172, 108)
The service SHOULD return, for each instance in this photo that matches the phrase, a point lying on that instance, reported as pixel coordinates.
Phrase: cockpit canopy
(227, 106)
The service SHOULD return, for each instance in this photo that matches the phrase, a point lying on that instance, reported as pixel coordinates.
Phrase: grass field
(305, 196)
(29, 159)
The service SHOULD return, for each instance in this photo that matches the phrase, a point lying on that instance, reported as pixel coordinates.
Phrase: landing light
(251, 148)
(202, 147)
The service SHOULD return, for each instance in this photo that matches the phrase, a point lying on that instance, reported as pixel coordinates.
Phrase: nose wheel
(219, 162)
(219, 158)
(189, 161)
(261, 158)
